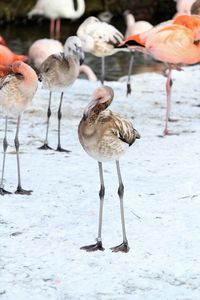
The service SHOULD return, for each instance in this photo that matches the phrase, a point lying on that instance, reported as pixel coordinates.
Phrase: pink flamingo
(8, 57)
(56, 9)
(173, 43)
(17, 88)
(106, 136)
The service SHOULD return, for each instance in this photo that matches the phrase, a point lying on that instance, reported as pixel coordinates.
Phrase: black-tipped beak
(39, 77)
(81, 54)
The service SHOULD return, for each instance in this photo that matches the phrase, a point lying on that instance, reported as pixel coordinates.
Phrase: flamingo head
(2, 41)
(102, 97)
(73, 46)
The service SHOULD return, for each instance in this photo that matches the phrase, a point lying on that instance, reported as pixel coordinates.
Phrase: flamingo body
(18, 88)
(133, 27)
(42, 49)
(8, 57)
(99, 38)
(55, 9)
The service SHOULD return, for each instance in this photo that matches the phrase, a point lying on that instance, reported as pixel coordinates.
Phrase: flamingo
(132, 28)
(8, 57)
(17, 88)
(41, 49)
(106, 136)
(100, 39)
(58, 72)
(173, 43)
(56, 9)
(195, 8)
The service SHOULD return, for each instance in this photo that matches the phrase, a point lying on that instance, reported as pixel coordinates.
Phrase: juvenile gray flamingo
(57, 73)
(106, 136)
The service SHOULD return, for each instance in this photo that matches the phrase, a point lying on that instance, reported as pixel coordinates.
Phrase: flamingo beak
(81, 54)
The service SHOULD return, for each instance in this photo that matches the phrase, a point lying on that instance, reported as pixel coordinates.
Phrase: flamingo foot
(45, 147)
(94, 247)
(124, 247)
(21, 191)
(166, 132)
(60, 149)
(128, 89)
(172, 120)
(4, 192)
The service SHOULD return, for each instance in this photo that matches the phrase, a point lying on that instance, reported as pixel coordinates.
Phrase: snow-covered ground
(41, 234)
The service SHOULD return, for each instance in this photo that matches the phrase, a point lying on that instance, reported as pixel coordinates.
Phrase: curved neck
(80, 8)
(130, 20)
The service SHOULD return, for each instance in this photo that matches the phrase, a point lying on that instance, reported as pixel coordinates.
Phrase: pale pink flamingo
(174, 44)
(8, 57)
(106, 136)
(56, 9)
(43, 48)
(99, 39)
(57, 73)
(17, 89)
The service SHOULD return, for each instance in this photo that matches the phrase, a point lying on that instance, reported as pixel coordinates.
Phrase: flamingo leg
(52, 28)
(124, 247)
(5, 146)
(57, 29)
(102, 69)
(19, 187)
(46, 146)
(168, 92)
(59, 148)
(98, 245)
(128, 91)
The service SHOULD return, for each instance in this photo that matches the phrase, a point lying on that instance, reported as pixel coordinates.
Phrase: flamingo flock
(103, 134)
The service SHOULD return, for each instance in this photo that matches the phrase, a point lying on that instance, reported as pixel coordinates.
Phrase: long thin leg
(46, 146)
(124, 246)
(19, 187)
(128, 91)
(52, 28)
(57, 29)
(168, 92)
(102, 69)
(5, 146)
(59, 148)
(98, 245)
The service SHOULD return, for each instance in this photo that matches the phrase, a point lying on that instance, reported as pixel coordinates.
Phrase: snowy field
(41, 234)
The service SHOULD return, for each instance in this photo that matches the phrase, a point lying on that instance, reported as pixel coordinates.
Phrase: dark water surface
(20, 37)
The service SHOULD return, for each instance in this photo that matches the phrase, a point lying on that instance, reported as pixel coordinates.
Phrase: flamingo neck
(94, 112)
(130, 20)
(80, 8)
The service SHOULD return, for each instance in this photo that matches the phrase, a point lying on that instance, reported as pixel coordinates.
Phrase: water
(20, 37)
